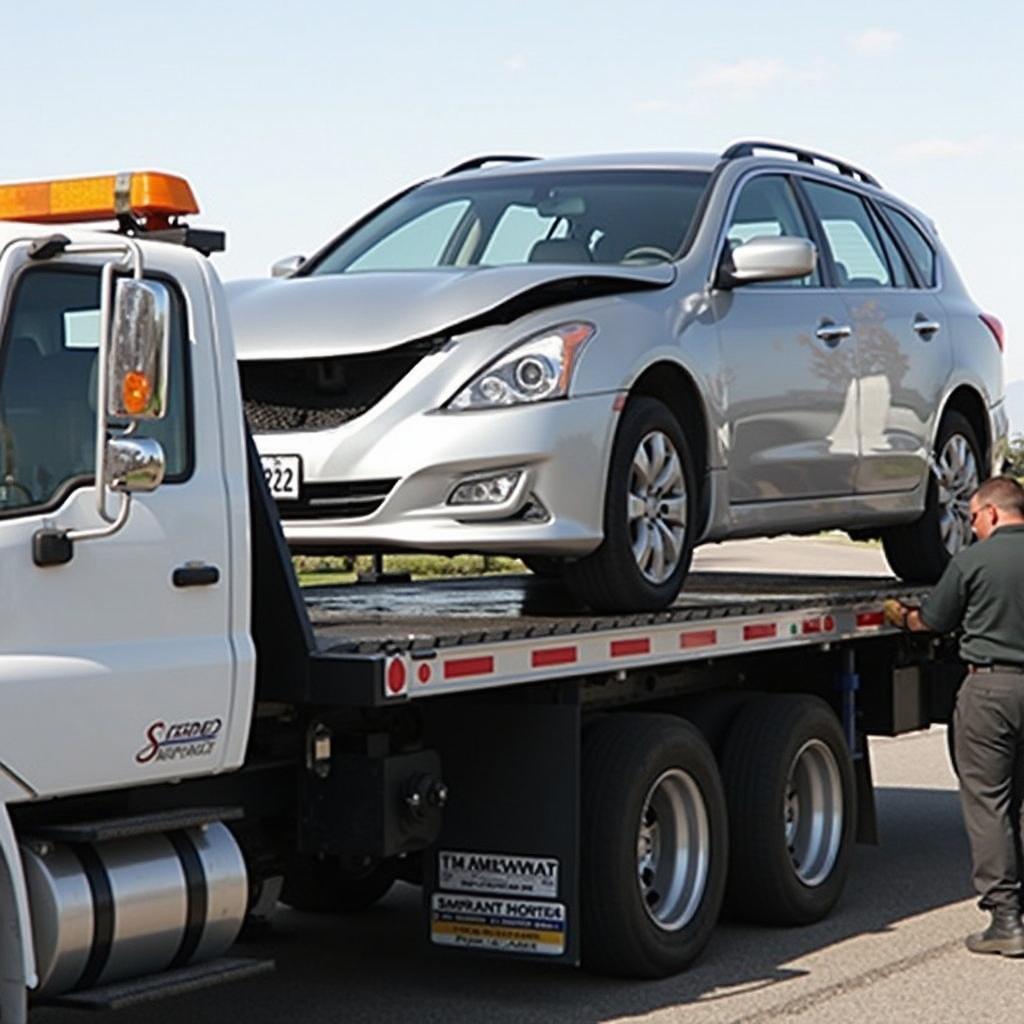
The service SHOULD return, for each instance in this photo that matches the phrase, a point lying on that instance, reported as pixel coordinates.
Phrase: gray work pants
(989, 744)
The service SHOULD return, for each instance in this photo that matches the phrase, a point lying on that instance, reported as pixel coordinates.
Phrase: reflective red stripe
(812, 626)
(554, 656)
(459, 668)
(870, 619)
(699, 638)
(760, 631)
(625, 648)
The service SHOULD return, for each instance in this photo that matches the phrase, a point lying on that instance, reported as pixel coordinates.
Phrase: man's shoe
(1004, 935)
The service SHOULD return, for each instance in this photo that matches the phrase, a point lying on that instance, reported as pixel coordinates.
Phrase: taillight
(995, 325)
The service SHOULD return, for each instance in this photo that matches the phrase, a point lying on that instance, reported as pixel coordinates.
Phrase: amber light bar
(146, 196)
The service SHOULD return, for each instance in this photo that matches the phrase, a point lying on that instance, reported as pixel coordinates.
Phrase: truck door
(111, 671)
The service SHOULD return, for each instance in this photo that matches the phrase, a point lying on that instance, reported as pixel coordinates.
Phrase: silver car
(597, 363)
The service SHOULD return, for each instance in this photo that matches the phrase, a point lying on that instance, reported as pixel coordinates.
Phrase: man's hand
(896, 613)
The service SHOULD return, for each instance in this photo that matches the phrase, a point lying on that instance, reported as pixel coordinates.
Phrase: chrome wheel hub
(656, 507)
(813, 812)
(957, 478)
(673, 846)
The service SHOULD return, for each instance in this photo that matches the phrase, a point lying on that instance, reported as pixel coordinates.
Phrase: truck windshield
(609, 217)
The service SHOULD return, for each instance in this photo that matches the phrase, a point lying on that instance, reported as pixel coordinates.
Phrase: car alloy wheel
(656, 507)
(956, 474)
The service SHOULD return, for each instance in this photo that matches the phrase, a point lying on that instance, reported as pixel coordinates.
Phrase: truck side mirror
(139, 354)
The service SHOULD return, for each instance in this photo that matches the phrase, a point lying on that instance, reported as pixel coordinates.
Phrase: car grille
(337, 500)
(317, 394)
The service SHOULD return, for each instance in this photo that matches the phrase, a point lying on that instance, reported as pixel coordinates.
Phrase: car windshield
(610, 217)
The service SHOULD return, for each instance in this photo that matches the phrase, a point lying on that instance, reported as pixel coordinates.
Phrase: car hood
(309, 317)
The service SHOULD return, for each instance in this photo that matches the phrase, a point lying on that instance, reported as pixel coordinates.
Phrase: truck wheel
(790, 789)
(648, 516)
(919, 551)
(331, 886)
(654, 842)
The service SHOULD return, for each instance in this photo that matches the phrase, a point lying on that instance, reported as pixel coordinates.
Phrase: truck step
(147, 989)
(136, 825)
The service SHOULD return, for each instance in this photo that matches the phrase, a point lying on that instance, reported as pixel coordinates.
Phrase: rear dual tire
(654, 842)
(789, 783)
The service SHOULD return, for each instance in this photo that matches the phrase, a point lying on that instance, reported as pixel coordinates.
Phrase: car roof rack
(805, 156)
(479, 161)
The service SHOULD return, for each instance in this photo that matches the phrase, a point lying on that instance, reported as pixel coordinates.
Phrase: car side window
(921, 251)
(901, 275)
(767, 208)
(48, 386)
(856, 248)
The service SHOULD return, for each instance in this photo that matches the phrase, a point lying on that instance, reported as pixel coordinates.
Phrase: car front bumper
(560, 449)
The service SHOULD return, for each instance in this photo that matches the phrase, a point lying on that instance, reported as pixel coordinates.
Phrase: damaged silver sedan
(597, 363)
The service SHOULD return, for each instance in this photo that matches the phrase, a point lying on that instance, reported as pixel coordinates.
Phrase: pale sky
(291, 120)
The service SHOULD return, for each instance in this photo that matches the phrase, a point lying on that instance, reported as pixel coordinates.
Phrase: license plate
(283, 474)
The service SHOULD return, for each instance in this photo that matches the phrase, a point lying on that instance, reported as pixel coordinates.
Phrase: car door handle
(924, 326)
(195, 574)
(832, 333)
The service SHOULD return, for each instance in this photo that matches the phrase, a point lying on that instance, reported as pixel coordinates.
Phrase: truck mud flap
(503, 877)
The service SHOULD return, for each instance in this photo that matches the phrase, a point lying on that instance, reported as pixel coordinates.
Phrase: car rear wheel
(918, 552)
(648, 516)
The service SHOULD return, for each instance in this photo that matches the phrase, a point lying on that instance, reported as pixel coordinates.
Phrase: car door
(904, 354)
(110, 673)
(788, 366)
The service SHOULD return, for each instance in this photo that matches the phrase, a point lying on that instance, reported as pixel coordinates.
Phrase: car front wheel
(648, 516)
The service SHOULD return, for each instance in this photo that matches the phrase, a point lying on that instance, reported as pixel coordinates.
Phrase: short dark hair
(1005, 493)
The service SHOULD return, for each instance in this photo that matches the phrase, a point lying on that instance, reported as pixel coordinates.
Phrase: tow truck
(187, 738)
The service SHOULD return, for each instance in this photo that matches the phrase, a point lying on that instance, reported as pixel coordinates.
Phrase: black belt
(997, 667)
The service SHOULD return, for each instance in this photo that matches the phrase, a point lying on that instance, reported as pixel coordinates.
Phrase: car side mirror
(287, 266)
(767, 259)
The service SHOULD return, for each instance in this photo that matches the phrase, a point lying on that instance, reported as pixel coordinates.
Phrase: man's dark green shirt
(982, 590)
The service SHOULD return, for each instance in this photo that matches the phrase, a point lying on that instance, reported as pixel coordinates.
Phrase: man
(982, 593)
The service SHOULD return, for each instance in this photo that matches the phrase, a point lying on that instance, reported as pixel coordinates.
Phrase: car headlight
(536, 370)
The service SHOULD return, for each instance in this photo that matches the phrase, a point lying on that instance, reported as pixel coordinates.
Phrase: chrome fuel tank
(124, 908)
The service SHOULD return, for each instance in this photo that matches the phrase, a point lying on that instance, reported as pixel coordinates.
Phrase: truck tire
(790, 790)
(649, 513)
(918, 552)
(330, 886)
(654, 845)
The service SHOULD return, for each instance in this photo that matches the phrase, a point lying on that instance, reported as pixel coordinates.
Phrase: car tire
(329, 886)
(918, 552)
(790, 790)
(650, 790)
(643, 515)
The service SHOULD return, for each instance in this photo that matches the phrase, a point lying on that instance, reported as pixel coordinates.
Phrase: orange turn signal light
(136, 393)
(144, 195)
